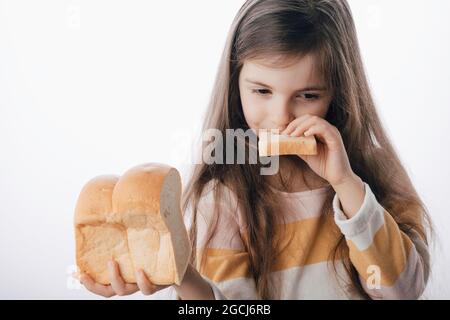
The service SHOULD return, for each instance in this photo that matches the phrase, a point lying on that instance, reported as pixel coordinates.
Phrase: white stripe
(315, 281)
(363, 226)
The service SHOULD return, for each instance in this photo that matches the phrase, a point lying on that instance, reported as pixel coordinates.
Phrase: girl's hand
(118, 285)
(331, 162)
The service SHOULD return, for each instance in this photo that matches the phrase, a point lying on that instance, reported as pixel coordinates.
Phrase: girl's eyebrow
(309, 88)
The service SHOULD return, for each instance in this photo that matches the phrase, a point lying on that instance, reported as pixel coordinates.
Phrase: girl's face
(274, 96)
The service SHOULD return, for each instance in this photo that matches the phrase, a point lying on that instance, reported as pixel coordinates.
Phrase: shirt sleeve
(390, 264)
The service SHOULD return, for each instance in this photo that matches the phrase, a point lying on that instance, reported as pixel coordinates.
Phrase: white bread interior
(136, 220)
(272, 144)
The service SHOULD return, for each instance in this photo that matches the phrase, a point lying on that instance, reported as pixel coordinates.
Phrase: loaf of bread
(272, 144)
(136, 220)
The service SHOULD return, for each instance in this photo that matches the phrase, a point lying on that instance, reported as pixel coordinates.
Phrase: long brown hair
(291, 28)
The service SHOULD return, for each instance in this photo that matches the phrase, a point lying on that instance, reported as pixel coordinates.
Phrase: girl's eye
(262, 92)
(306, 96)
(309, 96)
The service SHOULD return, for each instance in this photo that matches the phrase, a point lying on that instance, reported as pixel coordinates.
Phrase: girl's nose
(281, 115)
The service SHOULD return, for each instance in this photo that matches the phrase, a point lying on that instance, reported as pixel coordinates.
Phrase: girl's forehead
(300, 67)
(278, 61)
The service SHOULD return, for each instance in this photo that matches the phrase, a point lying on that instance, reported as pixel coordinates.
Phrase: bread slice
(136, 220)
(271, 144)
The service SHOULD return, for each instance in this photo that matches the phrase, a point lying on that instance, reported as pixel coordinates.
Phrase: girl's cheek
(319, 109)
(254, 114)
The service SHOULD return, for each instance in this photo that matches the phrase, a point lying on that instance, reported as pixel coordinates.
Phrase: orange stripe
(389, 251)
(306, 242)
(303, 242)
(223, 264)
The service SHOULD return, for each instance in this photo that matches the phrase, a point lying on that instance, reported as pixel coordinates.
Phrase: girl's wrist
(350, 192)
(193, 286)
(347, 178)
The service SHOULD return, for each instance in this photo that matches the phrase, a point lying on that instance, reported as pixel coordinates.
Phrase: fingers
(145, 285)
(309, 125)
(319, 129)
(120, 287)
(326, 134)
(97, 288)
(299, 125)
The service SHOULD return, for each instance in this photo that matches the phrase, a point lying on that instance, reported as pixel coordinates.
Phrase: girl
(346, 223)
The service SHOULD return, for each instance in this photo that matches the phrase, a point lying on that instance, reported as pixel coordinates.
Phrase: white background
(96, 87)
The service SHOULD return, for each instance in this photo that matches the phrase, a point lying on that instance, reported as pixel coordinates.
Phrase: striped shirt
(386, 259)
